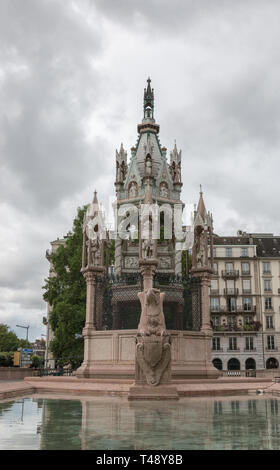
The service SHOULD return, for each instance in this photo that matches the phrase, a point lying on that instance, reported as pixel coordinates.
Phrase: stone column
(148, 268)
(178, 262)
(118, 256)
(204, 274)
(90, 274)
(90, 277)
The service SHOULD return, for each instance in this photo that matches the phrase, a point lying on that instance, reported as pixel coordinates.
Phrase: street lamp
(26, 327)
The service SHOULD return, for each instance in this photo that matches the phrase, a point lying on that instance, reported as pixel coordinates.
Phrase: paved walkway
(94, 387)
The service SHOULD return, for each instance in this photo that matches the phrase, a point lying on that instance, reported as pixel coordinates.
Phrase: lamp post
(27, 328)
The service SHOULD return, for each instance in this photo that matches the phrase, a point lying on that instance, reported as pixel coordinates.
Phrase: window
(216, 320)
(248, 319)
(245, 268)
(244, 252)
(216, 345)
(247, 304)
(215, 268)
(214, 252)
(268, 303)
(228, 252)
(249, 343)
(230, 287)
(270, 342)
(233, 344)
(232, 321)
(267, 285)
(229, 268)
(266, 267)
(269, 321)
(214, 285)
(214, 303)
(246, 285)
(231, 304)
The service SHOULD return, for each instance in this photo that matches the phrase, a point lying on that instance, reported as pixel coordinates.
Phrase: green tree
(37, 361)
(66, 293)
(8, 339)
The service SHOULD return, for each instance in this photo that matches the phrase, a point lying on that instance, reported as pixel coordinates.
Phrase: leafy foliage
(65, 290)
(9, 340)
(6, 359)
(37, 361)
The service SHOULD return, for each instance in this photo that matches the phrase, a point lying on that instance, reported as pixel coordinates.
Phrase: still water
(114, 423)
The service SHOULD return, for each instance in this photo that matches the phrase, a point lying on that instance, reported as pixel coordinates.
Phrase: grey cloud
(51, 83)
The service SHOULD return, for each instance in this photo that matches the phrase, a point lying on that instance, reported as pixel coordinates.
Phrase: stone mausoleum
(113, 308)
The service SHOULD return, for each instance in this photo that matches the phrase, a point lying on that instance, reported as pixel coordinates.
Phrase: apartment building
(245, 302)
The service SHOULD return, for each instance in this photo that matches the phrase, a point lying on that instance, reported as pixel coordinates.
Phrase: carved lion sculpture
(152, 320)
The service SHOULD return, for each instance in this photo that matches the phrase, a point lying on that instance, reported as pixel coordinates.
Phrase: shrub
(6, 359)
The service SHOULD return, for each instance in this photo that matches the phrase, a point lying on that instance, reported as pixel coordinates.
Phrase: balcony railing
(244, 328)
(230, 274)
(237, 309)
(231, 291)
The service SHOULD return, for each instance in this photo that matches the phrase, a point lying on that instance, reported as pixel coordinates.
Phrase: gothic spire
(149, 101)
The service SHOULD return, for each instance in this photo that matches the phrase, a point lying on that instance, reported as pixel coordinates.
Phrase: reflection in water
(115, 423)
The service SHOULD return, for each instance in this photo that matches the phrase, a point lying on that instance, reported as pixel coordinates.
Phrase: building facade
(245, 302)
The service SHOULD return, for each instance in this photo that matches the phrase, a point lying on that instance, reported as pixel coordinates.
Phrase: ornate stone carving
(163, 189)
(164, 262)
(131, 262)
(153, 344)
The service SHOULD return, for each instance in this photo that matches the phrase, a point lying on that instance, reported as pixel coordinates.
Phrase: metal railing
(230, 274)
(231, 291)
(53, 372)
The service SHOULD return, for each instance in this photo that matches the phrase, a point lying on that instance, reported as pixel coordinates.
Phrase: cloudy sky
(72, 74)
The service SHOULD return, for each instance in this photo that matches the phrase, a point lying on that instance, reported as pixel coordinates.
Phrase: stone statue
(163, 191)
(148, 248)
(94, 252)
(153, 345)
(133, 189)
(200, 248)
(178, 173)
(152, 319)
(148, 166)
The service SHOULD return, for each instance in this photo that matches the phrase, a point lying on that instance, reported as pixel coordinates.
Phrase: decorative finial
(200, 189)
(149, 101)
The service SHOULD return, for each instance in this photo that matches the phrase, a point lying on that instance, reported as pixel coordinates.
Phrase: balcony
(231, 291)
(244, 328)
(233, 349)
(238, 309)
(233, 274)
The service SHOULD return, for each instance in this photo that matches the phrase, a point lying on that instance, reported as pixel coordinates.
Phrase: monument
(157, 320)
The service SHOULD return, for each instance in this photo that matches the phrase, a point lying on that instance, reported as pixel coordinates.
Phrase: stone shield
(152, 352)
